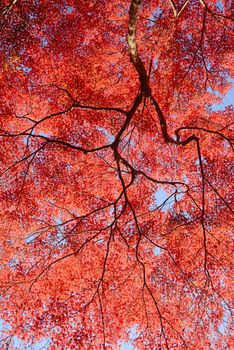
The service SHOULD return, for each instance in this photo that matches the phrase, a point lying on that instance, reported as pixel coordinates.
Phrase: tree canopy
(116, 189)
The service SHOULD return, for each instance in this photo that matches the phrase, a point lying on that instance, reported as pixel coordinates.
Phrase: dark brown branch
(135, 59)
(229, 140)
(219, 195)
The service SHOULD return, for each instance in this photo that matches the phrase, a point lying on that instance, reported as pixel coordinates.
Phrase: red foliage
(104, 105)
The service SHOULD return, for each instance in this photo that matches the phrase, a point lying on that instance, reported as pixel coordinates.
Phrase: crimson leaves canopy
(106, 107)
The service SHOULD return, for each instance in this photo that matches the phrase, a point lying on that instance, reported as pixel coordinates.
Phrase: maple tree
(105, 105)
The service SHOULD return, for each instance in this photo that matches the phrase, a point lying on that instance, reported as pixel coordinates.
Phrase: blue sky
(227, 101)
